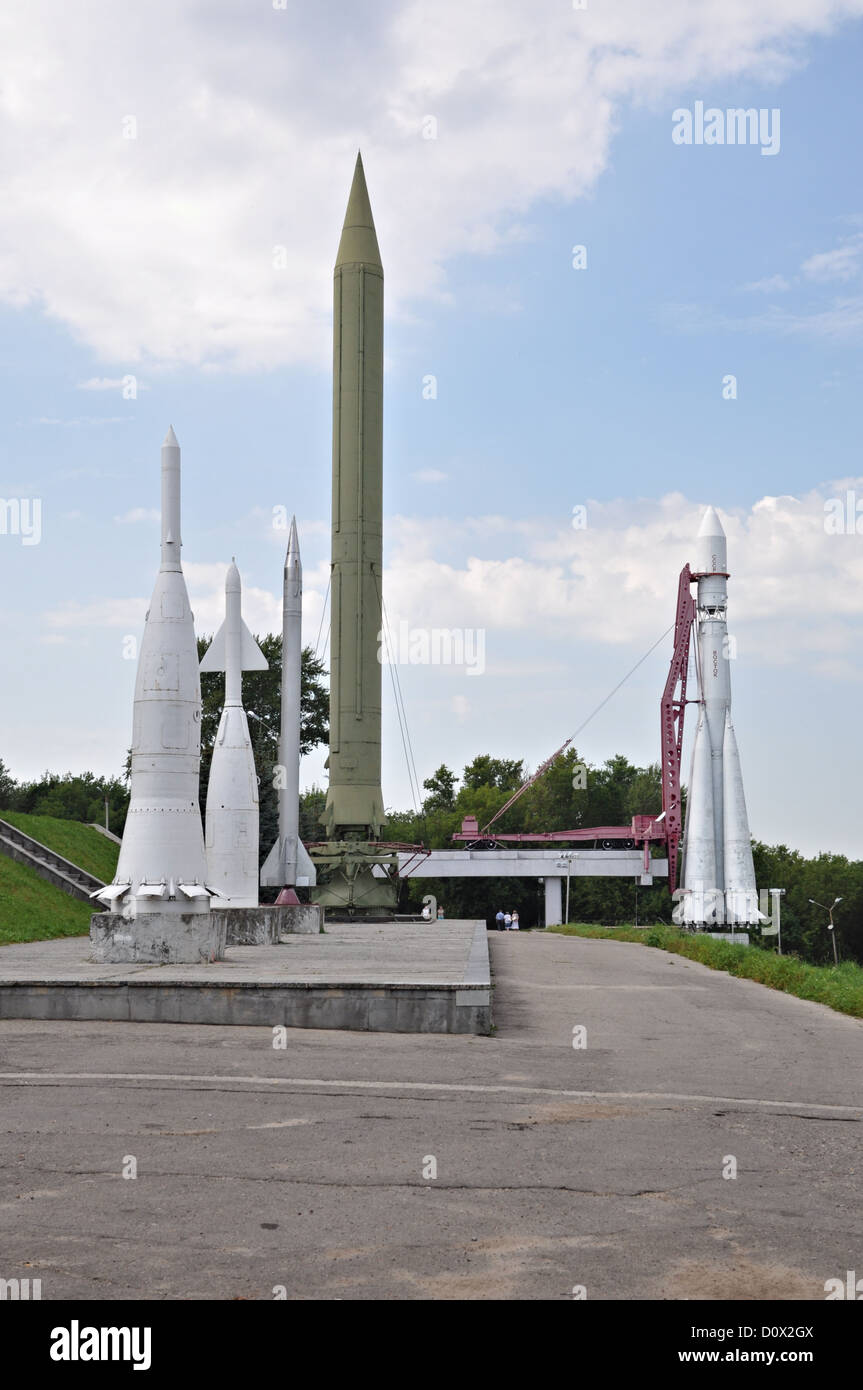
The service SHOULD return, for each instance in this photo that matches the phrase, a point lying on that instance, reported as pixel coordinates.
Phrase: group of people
(507, 921)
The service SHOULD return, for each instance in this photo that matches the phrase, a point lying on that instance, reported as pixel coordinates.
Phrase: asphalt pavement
(386, 1166)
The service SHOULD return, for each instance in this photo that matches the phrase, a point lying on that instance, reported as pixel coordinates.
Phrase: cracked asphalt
(388, 1166)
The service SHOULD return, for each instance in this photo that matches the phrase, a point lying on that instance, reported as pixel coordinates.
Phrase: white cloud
(615, 582)
(124, 613)
(772, 284)
(159, 248)
(430, 475)
(842, 263)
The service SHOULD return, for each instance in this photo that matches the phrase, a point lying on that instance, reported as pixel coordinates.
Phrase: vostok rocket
(718, 873)
(288, 865)
(232, 789)
(354, 871)
(162, 865)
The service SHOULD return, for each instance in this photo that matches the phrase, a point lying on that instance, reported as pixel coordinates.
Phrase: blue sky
(555, 387)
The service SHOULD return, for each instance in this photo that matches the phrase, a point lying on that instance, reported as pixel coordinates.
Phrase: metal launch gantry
(646, 830)
(672, 711)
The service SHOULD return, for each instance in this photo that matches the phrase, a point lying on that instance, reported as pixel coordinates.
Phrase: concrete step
(45, 862)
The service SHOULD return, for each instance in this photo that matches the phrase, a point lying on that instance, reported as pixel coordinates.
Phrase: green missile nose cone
(359, 243)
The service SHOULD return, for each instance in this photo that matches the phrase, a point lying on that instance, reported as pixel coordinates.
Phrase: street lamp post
(777, 895)
(830, 927)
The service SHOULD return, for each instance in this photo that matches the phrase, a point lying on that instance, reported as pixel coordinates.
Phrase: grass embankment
(77, 842)
(33, 910)
(30, 908)
(839, 987)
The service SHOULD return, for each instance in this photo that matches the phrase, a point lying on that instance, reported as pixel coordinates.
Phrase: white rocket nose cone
(711, 547)
(170, 441)
(232, 578)
(710, 524)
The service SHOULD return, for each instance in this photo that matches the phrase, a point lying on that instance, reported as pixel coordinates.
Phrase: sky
(174, 178)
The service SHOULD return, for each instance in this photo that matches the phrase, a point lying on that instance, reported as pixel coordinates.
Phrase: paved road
(557, 1166)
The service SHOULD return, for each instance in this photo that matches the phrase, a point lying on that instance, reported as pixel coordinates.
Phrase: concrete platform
(422, 977)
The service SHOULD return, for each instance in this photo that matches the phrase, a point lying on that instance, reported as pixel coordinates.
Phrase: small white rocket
(288, 865)
(718, 873)
(162, 865)
(232, 790)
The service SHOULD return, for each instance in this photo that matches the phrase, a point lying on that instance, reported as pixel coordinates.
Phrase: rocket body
(162, 866)
(288, 865)
(232, 828)
(718, 873)
(354, 807)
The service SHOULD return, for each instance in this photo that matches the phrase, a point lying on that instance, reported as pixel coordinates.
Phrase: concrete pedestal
(405, 977)
(267, 924)
(157, 938)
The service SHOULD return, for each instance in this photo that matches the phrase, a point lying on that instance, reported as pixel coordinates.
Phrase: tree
(485, 771)
(8, 786)
(441, 789)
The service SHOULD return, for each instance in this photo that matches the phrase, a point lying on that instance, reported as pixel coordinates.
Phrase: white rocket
(287, 864)
(162, 865)
(232, 791)
(718, 873)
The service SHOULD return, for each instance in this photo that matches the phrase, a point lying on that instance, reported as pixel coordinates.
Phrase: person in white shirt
(507, 921)
(514, 926)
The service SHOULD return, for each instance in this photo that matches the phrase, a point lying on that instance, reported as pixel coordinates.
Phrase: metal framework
(672, 710)
(666, 828)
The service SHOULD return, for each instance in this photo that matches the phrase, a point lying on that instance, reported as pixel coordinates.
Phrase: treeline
(573, 794)
(570, 795)
(68, 796)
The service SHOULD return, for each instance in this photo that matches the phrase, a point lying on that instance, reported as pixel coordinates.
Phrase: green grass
(33, 910)
(79, 843)
(839, 987)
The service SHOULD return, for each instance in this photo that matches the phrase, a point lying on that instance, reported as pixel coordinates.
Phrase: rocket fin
(702, 902)
(253, 657)
(741, 895)
(271, 872)
(214, 657)
(307, 875)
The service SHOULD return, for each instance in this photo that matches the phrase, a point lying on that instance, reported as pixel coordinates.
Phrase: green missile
(354, 807)
(349, 865)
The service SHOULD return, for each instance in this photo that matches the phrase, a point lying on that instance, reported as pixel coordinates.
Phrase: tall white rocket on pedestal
(718, 873)
(232, 790)
(288, 865)
(162, 866)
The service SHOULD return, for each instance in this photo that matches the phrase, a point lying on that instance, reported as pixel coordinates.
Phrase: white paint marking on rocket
(718, 873)
(288, 865)
(232, 789)
(162, 865)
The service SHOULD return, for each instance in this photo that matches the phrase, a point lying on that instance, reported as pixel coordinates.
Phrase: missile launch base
(388, 977)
